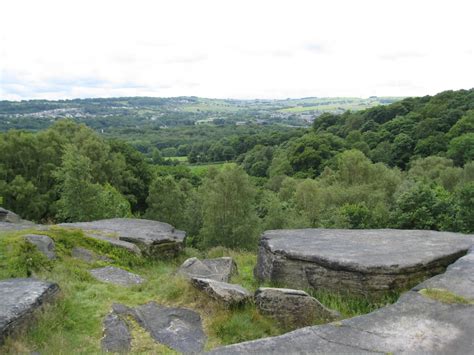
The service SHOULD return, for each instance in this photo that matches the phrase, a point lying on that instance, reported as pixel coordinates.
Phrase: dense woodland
(405, 165)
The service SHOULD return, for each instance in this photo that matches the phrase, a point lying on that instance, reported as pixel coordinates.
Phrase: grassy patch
(180, 159)
(444, 296)
(201, 169)
(352, 305)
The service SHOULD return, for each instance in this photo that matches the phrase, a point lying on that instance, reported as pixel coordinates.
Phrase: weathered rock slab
(219, 269)
(228, 294)
(364, 262)
(87, 255)
(414, 324)
(178, 328)
(292, 308)
(116, 276)
(155, 239)
(117, 337)
(43, 243)
(19, 298)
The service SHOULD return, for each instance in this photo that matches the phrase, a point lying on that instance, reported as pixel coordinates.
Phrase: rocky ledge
(426, 320)
(19, 298)
(363, 262)
(10, 221)
(154, 239)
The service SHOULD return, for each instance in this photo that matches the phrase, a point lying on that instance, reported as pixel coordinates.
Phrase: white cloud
(242, 49)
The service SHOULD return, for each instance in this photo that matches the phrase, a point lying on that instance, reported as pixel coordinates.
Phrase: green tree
(80, 198)
(464, 125)
(229, 217)
(461, 149)
(423, 206)
(166, 202)
(258, 160)
(465, 208)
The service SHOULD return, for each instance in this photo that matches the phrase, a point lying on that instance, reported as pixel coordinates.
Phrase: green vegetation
(351, 305)
(403, 165)
(444, 296)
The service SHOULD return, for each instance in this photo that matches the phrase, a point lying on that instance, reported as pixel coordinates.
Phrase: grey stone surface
(19, 298)
(414, 324)
(292, 308)
(228, 294)
(178, 328)
(117, 276)
(10, 221)
(43, 243)
(364, 262)
(117, 337)
(153, 238)
(87, 255)
(219, 269)
(458, 278)
(9, 216)
(8, 227)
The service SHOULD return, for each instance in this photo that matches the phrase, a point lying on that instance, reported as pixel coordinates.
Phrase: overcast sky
(234, 49)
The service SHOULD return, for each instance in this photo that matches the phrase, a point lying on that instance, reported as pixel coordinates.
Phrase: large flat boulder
(219, 269)
(363, 262)
(154, 239)
(116, 276)
(292, 308)
(414, 324)
(19, 299)
(227, 294)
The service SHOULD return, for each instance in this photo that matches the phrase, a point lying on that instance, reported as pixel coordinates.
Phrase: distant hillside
(147, 112)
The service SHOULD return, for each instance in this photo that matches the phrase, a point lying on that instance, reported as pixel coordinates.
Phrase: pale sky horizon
(52, 49)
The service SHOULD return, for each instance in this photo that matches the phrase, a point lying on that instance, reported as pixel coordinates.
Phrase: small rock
(117, 276)
(44, 244)
(87, 255)
(117, 337)
(219, 269)
(224, 292)
(179, 328)
(19, 298)
(292, 308)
